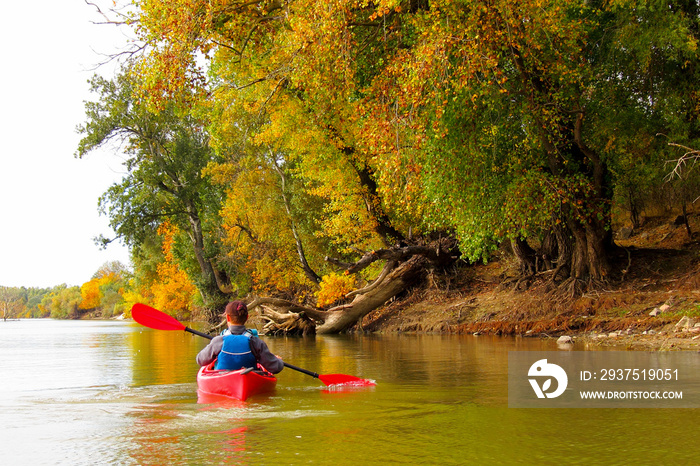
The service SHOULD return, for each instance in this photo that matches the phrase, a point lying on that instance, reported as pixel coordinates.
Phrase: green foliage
(167, 152)
(167, 149)
(63, 302)
(33, 302)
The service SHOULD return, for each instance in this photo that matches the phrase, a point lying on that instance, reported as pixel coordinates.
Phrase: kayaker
(239, 347)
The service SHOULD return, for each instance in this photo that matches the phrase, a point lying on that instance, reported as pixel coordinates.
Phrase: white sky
(48, 198)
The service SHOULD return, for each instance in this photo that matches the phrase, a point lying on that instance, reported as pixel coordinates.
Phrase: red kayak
(238, 384)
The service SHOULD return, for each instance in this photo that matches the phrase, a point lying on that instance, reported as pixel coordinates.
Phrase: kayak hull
(239, 384)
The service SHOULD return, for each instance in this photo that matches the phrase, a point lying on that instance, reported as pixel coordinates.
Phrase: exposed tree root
(290, 323)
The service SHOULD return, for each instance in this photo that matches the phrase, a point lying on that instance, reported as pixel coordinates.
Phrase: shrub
(334, 287)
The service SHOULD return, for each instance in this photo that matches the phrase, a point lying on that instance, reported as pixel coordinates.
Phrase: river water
(108, 392)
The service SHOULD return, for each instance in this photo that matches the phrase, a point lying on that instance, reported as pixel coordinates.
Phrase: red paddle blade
(153, 318)
(342, 379)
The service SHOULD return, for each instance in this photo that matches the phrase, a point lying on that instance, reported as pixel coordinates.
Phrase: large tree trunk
(341, 318)
(575, 255)
(404, 266)
(308, 271)
(525, 254)
(215, 298)
(569, 157)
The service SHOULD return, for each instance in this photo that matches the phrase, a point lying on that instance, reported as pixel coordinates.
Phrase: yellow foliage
(132, 297)
(333, 288)
(90, 292)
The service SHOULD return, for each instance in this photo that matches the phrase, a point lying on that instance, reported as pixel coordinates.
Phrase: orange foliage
(173, 291)
(91, 291)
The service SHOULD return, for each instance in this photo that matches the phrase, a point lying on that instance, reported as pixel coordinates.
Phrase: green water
(116, 393)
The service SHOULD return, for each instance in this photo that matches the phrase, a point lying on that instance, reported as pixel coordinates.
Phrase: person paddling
(238, 347)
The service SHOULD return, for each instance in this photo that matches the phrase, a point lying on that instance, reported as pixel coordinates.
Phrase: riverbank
(651, 301)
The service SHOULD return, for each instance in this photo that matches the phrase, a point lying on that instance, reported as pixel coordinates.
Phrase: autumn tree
(505, 119)
(12, 303)
(172, 290)
(33, 298)
(256, 50)
(264, 236)
(294, 142)
(104, 292)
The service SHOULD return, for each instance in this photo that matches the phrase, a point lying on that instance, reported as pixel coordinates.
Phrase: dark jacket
(260, 350)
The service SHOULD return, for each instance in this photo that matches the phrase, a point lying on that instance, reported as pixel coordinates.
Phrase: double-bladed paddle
(155, 319)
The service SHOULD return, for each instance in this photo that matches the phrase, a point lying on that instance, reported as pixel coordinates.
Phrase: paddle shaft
(187, 329)
(286, 364)
(299, 369)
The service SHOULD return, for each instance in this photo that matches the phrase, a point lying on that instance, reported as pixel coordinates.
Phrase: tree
(264, 227)
(258, 63)
(104, 292)
(512, 115)
(172, 290)
(63, 302)
(12, 302)
(403, 267)
(32, 298)
(167, 150)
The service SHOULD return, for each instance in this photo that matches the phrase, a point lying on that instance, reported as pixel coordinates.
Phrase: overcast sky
(48, 198)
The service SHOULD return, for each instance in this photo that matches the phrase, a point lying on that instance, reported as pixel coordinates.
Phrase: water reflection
(218, 401)
(162, 357)
(116, 393)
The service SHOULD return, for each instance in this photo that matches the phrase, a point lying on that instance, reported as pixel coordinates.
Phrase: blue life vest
(236, 353)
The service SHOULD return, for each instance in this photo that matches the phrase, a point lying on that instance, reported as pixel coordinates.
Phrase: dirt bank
(650, 302)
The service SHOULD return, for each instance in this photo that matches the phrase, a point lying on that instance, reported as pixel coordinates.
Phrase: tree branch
(690, 156)
(393, 254)
(388, 267)
(289, 306)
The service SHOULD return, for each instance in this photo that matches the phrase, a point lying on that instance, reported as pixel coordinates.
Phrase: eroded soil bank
(651, 302)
